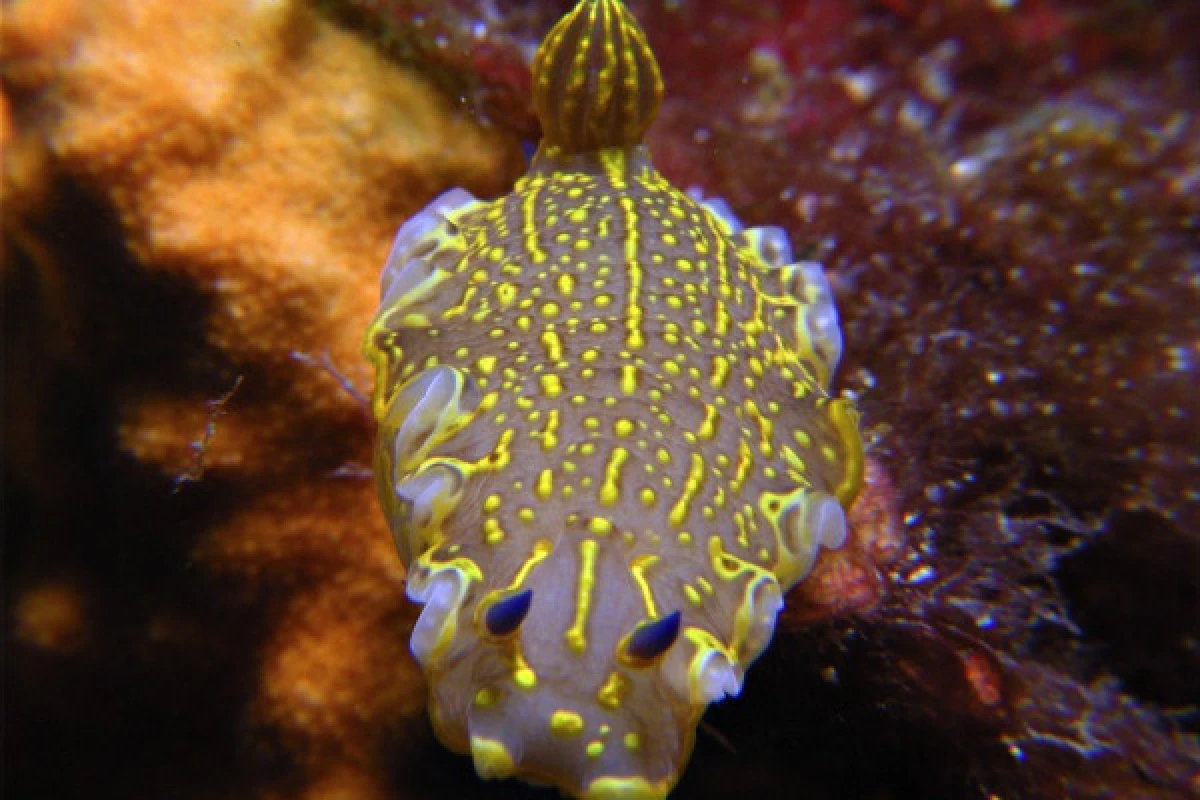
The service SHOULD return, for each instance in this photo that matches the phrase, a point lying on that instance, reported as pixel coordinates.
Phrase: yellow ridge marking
(745, 463)
(690, 487)
(729, 566)
(552, 44)
(575, 636)
(628, 379)
(845, 421)
(610, 491)
(765, 427)
(553, 345)
(545, 484)
(708, 428)
(530, 222)
(756, 325)
(720, 371)
(497, 460)
(613, 691)
(578, 73)
(613, 161)
(740, 522)
(541, 549)
(605, 85)
(522, 674)
(463, 305)
(549, 432)
(633, 309)
(793, 459)
(721, 327)
(638, 569)
(721, 257)
(630, 65)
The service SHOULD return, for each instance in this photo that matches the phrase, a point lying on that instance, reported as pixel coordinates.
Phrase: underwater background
(201, 596)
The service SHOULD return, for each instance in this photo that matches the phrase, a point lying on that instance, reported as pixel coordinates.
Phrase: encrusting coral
(193, 193)
(1004, 196)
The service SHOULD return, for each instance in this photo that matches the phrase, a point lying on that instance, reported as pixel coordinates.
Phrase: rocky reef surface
(201, 597)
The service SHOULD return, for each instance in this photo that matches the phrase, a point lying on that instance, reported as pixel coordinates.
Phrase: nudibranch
(607, 445)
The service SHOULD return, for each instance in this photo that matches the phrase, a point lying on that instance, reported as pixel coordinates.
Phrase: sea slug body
(606, 444)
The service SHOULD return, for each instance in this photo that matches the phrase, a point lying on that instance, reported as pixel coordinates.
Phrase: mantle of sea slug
(611, 395)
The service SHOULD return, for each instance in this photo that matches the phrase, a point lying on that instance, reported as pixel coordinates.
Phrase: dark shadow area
(1133, 591)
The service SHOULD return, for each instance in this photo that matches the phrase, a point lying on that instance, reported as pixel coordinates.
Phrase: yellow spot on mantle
(552, 386)
(566, 724)
(600, 525)
(492, 759)
(523, 675)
